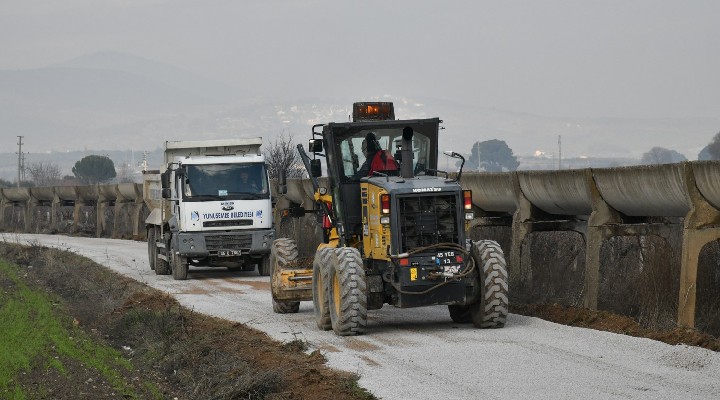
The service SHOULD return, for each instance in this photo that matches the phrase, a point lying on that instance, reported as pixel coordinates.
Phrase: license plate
(451, 269)
(229, 253)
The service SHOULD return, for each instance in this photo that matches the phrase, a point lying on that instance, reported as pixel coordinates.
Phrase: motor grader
(396, 236)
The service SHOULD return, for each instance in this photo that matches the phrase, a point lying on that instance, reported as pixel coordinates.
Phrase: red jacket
(382, 161)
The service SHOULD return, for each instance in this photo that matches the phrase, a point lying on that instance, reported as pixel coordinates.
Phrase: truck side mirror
(165, 180)
(315, 168)
(166, 193)
(282, 182)
(315, 146)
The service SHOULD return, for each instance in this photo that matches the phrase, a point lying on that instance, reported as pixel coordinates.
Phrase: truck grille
(227, 222)
(228, 242)
(427, 220)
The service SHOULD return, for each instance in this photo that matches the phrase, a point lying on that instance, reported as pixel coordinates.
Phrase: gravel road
(421, 354)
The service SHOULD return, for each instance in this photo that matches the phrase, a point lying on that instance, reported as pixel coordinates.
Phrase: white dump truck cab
(215, 208)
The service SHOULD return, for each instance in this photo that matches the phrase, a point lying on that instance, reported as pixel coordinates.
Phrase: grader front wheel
(347, 292)
(491, 309)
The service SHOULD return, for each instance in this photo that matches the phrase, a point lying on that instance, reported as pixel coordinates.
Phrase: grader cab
(394, 236)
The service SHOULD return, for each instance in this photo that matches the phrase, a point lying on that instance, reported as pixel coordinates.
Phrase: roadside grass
(35, 335)
(143, 338)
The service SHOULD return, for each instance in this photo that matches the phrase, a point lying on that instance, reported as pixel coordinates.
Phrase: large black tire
(152, 248)
(264, 266)
(283, 252)
(347, 293)
(321, 266)
(460, 314)
(491, 309)
(162, 267)
(179, 266)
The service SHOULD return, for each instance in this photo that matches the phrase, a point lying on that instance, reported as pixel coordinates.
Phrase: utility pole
(559, 152)
(20, 159)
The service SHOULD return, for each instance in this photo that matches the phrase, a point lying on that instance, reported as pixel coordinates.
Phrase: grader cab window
(354, 155)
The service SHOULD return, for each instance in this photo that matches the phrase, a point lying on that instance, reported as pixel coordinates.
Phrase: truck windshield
(231, 181)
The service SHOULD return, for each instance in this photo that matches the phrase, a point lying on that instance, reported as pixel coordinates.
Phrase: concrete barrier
(557, 192)
(653, 190)
(491, 192)
(16, 195)
(707, 178)
(599, 204)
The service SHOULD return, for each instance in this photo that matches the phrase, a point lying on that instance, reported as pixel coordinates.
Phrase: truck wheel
(491, 309)
(347, 289)
(152, 248)
(283, 252)
(162, 267)
(321, 265)
(179, 266)
(264, 266)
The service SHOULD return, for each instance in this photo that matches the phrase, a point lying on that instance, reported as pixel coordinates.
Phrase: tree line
(281, 155)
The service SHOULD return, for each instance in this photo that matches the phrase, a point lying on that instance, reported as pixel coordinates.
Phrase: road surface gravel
(420, 354)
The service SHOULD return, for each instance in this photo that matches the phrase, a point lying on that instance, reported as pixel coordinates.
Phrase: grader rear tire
(491, 309)
(347, 293)
(283, 252)
(321, 305)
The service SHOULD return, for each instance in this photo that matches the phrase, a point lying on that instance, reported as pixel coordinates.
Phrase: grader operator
(395, 234)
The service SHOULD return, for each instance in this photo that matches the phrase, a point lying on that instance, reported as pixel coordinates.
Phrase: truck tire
(283, 252)
(347, 289)
(321, 305)
(162, 267)
(179, 266)
(152, 248)
(491, 309)
(264, 266)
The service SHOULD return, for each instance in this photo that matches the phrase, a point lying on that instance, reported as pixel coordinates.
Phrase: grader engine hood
(404, 214)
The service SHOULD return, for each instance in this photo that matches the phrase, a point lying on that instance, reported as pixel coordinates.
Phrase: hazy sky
(574, 58)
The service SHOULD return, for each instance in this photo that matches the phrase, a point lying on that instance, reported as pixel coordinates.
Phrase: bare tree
(44, 173)
(282, 155)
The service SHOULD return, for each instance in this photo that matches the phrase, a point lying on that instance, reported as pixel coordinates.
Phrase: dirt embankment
(607, 321)
(185, 354)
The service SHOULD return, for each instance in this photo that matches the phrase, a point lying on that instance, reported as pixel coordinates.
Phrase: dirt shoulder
(174, 352)
(607, 321)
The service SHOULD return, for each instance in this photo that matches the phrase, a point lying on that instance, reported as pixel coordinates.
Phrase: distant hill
(211, 91)
(114, 101)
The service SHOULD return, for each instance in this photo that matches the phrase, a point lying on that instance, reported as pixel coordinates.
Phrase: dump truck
(394, 236)
(210, 205)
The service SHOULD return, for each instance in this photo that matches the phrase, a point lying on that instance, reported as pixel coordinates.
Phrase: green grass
(35, 334)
